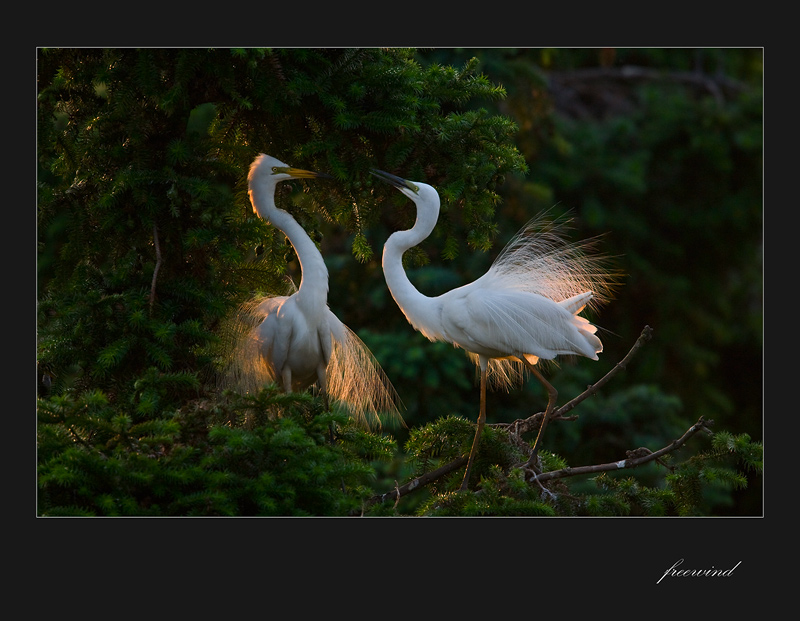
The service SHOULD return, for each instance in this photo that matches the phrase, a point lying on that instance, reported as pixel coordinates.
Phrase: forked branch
(533, 422)
(635, 458)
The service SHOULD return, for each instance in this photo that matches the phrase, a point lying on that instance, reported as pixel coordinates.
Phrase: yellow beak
(299, 173)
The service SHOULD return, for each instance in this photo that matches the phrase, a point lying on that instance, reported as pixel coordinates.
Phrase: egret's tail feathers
(591, 345)
(594, 345)
(577, 303)
(356, 380)
(584, 325)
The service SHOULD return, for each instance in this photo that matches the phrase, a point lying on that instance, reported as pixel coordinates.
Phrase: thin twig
(715, 85)
(646, 335)
(532, 422)
(158, 266)
(419, 482)
(635, 458)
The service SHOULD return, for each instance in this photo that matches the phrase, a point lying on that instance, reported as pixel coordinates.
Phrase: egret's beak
(398, 182)
(299, 173)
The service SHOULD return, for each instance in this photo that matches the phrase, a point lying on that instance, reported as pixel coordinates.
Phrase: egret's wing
(508, 324)
(532, 324)
(357, 381)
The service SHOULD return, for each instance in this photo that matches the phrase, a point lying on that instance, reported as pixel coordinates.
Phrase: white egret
(525, 308)
(296, 340)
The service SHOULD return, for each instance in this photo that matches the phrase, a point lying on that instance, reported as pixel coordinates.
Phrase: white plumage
(296, 340)
(525, 308)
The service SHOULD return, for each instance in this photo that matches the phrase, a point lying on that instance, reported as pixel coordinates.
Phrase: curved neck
(314, 275)
(415, 305)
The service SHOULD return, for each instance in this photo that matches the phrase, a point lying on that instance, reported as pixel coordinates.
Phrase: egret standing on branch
(296, 340)
(525, 308)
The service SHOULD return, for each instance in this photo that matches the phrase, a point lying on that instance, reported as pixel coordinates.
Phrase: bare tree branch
(713, 84)
(158, 267)
(419, 482)
(532, 422)
(635, 458)
(608, 91)
(646, 335)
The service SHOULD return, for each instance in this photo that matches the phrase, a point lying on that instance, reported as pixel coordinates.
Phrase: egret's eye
(275, 169)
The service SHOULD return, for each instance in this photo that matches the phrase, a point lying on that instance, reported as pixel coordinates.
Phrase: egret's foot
(534, 463)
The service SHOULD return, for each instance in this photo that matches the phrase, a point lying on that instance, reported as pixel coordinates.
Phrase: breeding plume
(525, 308)
(296, 340)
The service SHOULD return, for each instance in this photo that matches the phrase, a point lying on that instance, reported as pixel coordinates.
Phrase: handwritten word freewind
(674, 572)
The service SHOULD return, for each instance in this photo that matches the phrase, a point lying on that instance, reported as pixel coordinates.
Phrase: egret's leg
(552, 395)
(481, 421)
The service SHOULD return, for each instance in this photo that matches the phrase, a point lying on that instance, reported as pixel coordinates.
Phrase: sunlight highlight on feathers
(541, 260)
(295, 341)
(355, 379)
(245, 369)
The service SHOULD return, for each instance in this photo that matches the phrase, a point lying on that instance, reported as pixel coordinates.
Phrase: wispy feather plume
(355, 379)
(541, 260)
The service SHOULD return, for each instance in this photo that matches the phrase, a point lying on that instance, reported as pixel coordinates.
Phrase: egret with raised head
(296, 340)
(525, 308)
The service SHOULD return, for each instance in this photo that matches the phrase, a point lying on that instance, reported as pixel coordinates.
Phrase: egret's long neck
(313, 290)
(415, 305)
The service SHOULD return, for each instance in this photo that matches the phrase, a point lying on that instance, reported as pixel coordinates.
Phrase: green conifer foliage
(147, 240)
(204, 459)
